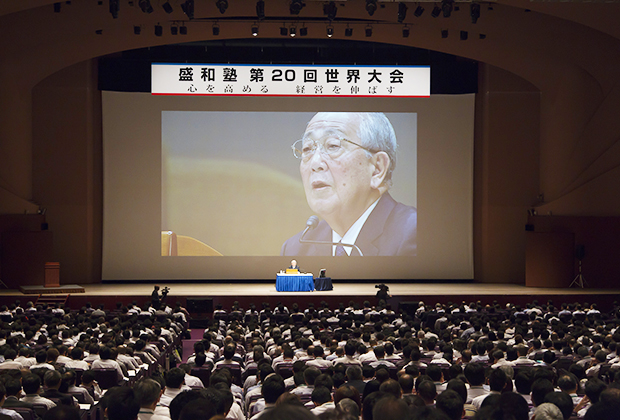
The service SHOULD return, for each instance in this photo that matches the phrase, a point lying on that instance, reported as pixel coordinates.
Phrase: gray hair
(548, 411)
(377, 134)
(147, 391)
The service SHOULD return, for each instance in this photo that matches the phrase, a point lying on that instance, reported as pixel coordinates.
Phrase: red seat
(106, 378)
(204, 374)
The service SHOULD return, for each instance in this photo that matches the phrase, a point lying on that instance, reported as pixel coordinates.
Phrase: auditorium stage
(247, 293)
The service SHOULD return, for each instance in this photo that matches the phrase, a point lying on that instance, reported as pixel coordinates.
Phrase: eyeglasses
(330, 146)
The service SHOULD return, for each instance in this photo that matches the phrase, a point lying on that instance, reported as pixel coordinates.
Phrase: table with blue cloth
(294, 282)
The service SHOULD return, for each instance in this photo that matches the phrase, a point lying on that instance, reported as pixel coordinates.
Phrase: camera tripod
(579, 280)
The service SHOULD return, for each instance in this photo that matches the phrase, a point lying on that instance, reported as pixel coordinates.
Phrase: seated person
(294, 266)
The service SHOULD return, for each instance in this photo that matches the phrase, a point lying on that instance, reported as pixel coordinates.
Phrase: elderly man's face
(338, 188)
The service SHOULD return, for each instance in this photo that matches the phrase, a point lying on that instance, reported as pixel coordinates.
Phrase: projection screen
(209, 188)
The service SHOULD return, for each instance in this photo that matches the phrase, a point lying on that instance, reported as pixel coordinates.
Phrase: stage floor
(467, 290)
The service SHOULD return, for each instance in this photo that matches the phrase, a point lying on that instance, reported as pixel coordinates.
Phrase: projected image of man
(346, 166)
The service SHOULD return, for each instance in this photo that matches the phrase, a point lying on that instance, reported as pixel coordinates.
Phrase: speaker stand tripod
(579, 280)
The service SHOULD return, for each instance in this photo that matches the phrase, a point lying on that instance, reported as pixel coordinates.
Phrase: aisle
(188, 345)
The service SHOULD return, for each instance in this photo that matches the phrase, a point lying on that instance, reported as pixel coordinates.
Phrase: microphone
(313, 222)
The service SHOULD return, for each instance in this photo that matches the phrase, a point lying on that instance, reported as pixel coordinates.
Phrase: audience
(453, 361)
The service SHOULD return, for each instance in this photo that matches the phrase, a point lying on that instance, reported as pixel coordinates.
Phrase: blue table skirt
(294, 283)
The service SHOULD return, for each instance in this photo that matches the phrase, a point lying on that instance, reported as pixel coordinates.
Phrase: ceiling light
(446, 8)
(444, 33)
(330, 31)
(283, 31)
(371, 6)
(418, 11)
(296, 6)
(183, 30)
(330, 9)
(56, 7)
(303, 31)
(174, 30)
(474, 12)
(137, 30)
(464, 35)
(145, 6)
(114, 8)
(255, 30)
(292, 31)
(406, 32)
(159, 31)
(167, 7)
(348, 31)
(436, 11)
(368, 31)
(260, 9)
(222, 5)
(402, 12)
(188, 8)
(216, 29)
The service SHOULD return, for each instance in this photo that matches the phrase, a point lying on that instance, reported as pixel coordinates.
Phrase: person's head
(347, 161)
(406, 383)
(511, 404)
(119, 403)
(568, 384)
(548, 411)
(428, 391)
(347, 392)
(391, 408)
(561, 400)
(229, 351)
(390, 386)
(540, 389)
(349, 407)
(272, 388)
(286, 412)
(369, 403)
(497, 380)
(147, 392)
(434, 371)
(593, 389)
(451, 403)
(181, 400)
(474, 372)
(13, 387)
(293, 263)
(175, 378)
(310, 375)
(200, 408)
(321, 395)
(31, 383)
(52, 379)
(354, 373)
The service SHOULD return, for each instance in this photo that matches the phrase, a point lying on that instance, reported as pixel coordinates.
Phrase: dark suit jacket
(64, 399)
(389, 230)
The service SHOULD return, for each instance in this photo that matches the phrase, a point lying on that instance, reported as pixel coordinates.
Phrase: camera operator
(156, 298)
(383, 293)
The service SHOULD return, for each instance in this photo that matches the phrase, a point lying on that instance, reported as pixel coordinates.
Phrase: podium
(52, 274)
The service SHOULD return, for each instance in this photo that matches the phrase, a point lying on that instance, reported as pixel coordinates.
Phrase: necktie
(340, 252)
